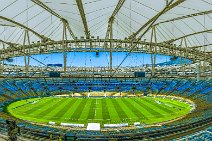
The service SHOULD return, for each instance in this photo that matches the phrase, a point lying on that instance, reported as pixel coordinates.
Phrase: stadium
(105, 70)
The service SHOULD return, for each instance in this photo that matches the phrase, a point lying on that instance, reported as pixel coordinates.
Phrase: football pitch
(146, 110)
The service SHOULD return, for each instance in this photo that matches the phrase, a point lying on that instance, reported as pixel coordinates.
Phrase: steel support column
(2, 63)
(64, 44)
(181, 42)
(204, 63)
(197, 71)
(153, 50)
(1, 67)
(109, 32)
(111, 49)
(186, 52)
(26, 52)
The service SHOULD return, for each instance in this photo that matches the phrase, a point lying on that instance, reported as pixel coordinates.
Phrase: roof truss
(9, 43)
(201, 46)
(187, 35)
(39, 3)
(83, 17)
(186, 16)
(170, 5)
(112, 17)
(25, 27)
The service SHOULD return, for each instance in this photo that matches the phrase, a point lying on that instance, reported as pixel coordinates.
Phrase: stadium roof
(172, 19)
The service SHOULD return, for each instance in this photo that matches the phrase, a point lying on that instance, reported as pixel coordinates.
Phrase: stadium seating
(16, 89)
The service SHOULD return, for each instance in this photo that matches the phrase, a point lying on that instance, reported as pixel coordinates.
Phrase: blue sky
(90, 59)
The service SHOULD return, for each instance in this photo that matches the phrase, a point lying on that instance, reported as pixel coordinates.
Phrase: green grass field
(146, 110)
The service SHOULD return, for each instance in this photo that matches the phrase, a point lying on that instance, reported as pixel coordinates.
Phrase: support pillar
(204, 64)
(197, 72)
(153, 49)
(2, 63)
(111, 49)
(26, 52)
(1, 68)
(64, 44)
(181, 54)
(186, 56)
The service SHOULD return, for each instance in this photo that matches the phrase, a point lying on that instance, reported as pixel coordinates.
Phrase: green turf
(103, 110)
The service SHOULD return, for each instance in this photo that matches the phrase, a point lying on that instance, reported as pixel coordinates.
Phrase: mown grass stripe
(112, 112)
(79, 109)
(92, 109)
(38, 106)
(51, 108)
(64, 109)
(69, 113)
(98, 110)
(143, 110)
(155, 105)
(86, 110)
(131, 116)
(58, 108)
(105, 112)
(134, 109)
(158, 105)
(148, 108)
(121, 113)
(175, 105)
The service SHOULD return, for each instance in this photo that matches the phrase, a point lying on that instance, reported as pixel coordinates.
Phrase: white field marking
(158, 102)
(95, 107)
(34, 102)
(168, 105)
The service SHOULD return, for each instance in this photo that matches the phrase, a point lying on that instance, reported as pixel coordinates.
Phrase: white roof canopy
(189, 18)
